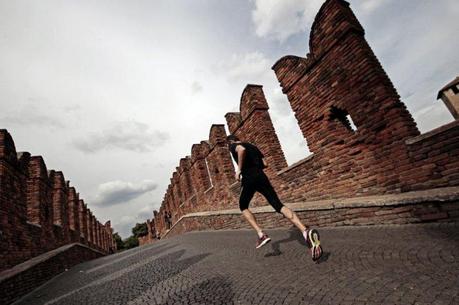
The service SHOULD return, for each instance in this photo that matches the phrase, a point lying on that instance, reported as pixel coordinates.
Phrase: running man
(250, 165)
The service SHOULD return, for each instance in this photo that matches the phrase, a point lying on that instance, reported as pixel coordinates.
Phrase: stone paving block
(400, 264)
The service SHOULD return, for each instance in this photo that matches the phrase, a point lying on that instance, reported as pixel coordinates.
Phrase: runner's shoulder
(248, 145)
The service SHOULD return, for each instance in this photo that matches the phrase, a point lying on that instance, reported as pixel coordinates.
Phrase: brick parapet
(412, 207)
(39, 210)
(73, 212)
(340, 81)
(82, 213)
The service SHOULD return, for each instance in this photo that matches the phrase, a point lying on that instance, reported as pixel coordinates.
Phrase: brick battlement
(340, 79)
(40, 211)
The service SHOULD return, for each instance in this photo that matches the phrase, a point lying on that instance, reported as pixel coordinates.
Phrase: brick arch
(196, 152)
(339, 71)
(199, 170)
(205, 146)
(37, 168)
(7, 147)
(217, 135)
(73, 212)
(184, 164)
(175, 182)
(185, 181)
(252, 98)
(23, 159)
(83, 219)
(39, 197)
(233, 121)
(332, 11)
(72, 194)
(59, 195)
(57, 179)
(199, 151)
(290, 68)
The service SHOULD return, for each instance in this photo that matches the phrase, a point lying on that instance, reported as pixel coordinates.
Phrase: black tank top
(253, 161)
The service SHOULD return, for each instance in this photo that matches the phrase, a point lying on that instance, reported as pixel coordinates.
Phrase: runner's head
(232, 139)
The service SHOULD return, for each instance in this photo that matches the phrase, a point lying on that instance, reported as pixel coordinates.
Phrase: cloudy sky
(114, 93)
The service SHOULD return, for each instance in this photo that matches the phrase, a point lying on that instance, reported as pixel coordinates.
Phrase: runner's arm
(240, 160)
(262, 157)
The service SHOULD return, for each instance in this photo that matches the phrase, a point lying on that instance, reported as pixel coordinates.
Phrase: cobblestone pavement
(410, 264)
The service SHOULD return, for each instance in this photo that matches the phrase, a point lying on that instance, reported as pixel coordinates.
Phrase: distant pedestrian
(250, 165)
(167, 220)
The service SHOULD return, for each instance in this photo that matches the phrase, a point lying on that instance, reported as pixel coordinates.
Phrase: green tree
(119, 242)
(140, 229)
(131, 242)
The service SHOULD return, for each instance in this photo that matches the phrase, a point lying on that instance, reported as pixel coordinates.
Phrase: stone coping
(296, 164)
(432, 133)
(9, 273)
(432, 195)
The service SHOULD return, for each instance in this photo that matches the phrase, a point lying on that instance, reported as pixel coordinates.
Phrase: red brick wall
(201, 181)
(433, 159)
(253, 124)
(395, 214)
(151, 236)
(336, 77)
(82, 215)
(340, 77)
(61, 211)
(111, 244)
(74, 218)
(39, 210)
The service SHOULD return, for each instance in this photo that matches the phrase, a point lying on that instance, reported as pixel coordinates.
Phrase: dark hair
(231, 137)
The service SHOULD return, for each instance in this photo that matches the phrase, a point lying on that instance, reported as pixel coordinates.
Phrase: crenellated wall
(151, 235)
(39, 209)
(339, 81)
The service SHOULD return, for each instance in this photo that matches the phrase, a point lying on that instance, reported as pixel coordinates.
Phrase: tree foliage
(119, 242)
(140, 229)
(131, 242)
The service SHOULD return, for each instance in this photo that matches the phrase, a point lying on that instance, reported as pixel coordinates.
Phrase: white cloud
(88, 64)
(250, 67)
(33, 116)
(131, 136)
(371, 5)
(196, 87)
(279, 103)
(415, 51)
(280, 19)
(124, 225)
(145, 213)
(119, 192)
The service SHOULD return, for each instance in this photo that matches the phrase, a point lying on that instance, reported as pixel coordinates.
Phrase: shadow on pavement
(324, 257)
(294, 234)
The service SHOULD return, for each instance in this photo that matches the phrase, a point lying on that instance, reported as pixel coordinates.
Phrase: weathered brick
(39, 211)
(340, 78)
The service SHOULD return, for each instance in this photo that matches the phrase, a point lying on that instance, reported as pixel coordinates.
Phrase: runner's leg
(311, 236)
(247, 192)
(293, 218)
(265, 188)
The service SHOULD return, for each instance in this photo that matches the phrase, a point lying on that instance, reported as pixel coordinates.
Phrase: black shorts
(258, 182)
